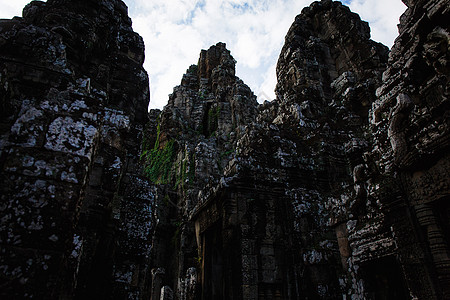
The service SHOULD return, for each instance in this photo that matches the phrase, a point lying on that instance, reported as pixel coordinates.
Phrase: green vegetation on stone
(158, 160)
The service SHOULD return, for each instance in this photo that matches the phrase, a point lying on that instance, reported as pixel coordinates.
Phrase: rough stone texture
(337, 189)
(188, 151)
(410, 126)
(327, 192)
(327, 73)
(75, 213)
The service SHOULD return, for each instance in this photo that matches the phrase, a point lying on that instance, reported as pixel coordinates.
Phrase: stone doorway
(384, 280)
(213, 287)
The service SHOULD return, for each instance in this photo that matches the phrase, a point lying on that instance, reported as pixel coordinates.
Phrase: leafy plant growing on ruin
(198, 260)
(158, 160)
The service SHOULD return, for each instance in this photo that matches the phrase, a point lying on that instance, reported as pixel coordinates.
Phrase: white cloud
(253, 31)
(266, 88)
(174, 32)
(382, 15)
(10, 8)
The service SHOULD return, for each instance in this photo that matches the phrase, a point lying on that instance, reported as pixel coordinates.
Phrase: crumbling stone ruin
(337, 189)
(75, 210)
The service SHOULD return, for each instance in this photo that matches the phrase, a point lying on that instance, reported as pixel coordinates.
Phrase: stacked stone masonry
(75, 209)
(337, 189)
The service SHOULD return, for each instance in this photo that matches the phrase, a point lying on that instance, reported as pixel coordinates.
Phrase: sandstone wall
(410, 127)
(75, 211)
(337, 189)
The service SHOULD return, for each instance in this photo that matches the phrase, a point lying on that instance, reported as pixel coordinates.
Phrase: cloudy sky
(175, 31)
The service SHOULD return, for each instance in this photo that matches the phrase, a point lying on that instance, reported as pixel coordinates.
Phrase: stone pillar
(344, 246)
(166, 293)
(157, 279)
(190, 284)
(438, 247)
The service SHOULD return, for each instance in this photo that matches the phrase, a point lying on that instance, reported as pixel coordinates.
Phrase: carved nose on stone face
(397, 126)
